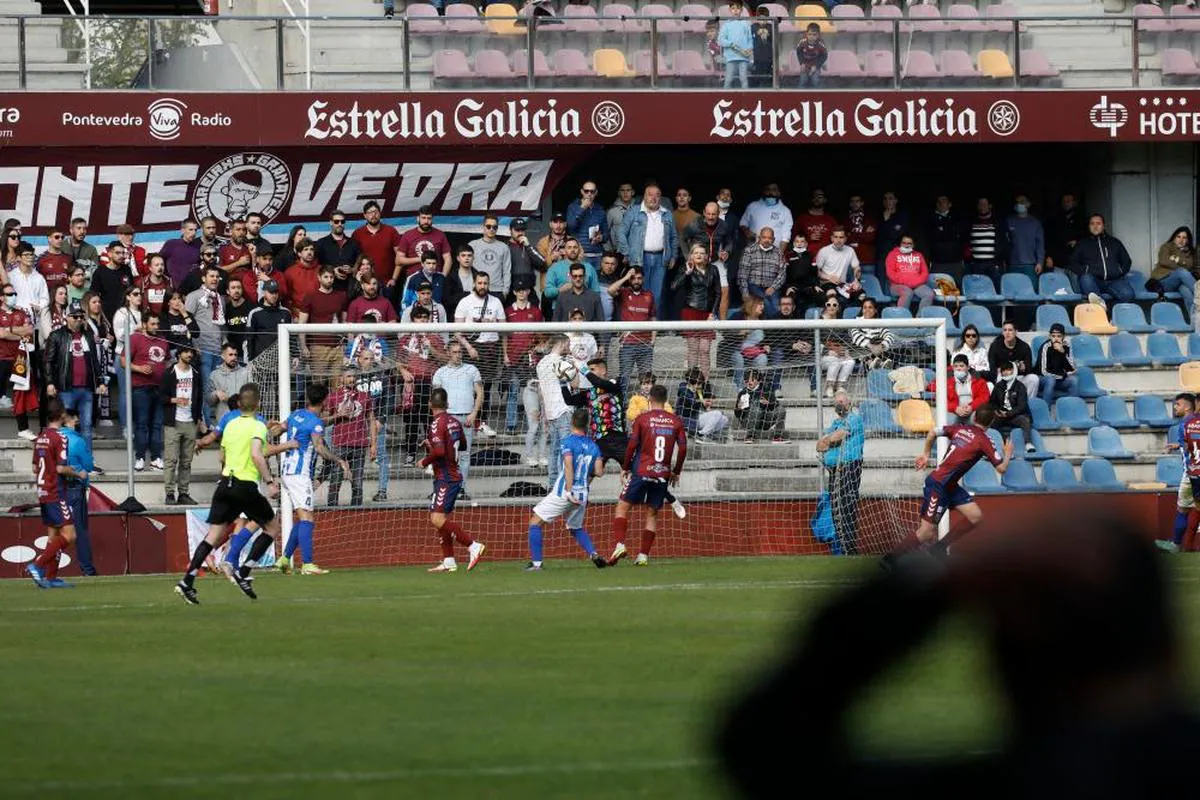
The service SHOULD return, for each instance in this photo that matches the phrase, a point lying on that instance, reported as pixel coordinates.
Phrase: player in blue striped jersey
(580, 461)
(306, 428)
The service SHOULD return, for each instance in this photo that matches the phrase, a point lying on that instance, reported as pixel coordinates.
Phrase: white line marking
(188, 781)
(738, 586)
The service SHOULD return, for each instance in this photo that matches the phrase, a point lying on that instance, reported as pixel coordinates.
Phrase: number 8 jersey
(657, 433)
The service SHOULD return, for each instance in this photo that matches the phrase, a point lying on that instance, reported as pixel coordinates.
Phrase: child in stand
(812, 54)
(712, 46)
(763, 65)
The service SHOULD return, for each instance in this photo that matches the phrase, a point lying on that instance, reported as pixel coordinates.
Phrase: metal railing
(303, 52)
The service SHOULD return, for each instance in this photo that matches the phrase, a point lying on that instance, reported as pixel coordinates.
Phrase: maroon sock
(447, 539)
(456, 530)
(48, 560)
(956, 532)
(1189, 536)
(620, 529)
(647, 542)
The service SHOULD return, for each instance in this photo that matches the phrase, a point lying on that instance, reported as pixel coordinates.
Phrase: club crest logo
(242, 184)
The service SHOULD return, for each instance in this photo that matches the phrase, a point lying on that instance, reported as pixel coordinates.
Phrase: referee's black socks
(198, 557)
(257, 549)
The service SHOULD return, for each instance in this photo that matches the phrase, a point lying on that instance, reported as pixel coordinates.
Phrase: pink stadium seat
(919, 65)
(1003, 9)
(662, 13)
(570, 63)
(791, 64)
(451, 64)
(690, 64)
(964, 18)
(690, 18)
(1150, 18)
(1182, 18)
(841, 63)
(493, 65)
(1034, 64)
(850, 19)
(541, 68)
(423, 18)
(1179, 63)
(958, 64)
(641, 64)
(463, 18)
(776, 10)
(882, 16)
(880, 63)
(931, 19)
(580, 19)
(613, 22)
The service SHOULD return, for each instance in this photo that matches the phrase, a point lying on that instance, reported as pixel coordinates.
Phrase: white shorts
(1184, 497)
(552, 507)
(300, 490)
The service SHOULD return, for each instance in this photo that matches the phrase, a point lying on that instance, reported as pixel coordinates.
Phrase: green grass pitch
(572, 683)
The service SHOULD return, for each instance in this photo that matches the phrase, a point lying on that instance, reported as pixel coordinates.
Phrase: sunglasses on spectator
(10, 294)
(338, 221)
(970, 336)
(831, 305)
(56, 236)
(136, 293)
(490, 227)
(589, 191)
(14, 236)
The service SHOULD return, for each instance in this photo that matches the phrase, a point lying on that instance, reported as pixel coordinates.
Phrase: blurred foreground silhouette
(1076, 611)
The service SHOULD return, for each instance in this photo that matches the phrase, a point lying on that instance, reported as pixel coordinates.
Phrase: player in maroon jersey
(1190, 434)
(50, 466)
(656, 434)
(446, 438)
(968, 444)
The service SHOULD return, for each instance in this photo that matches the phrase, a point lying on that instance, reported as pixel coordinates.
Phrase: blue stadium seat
(1168, 317)
(1085, 379)
(1169, 470)
(812, 313)
(1112, 411)
(1054, 287)
(874, 290)
(1105, 442)
(980, 289)
(1072, 412)
(997, 439)
(1040, 412)
(1049, 313)
(1059, 476)
(1137, 280)
(1130, 318)
(983, 479)
(1163, 349)
(1098, 474)
(1126, 350)
(1036, 346)
(1193, 347)
(1018, 288)
(1088, 351)
(1039, 453)
(852, 312)
(877, 417)
(879, 386)
(1020, 477)
(1173, 433)
(978, 316)
(892, 312)
(941, 312)
(1152, 411)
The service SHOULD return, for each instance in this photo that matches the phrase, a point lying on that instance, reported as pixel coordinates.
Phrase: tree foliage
(119, 47)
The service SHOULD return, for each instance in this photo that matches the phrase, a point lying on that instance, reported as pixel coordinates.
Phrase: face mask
(771, 201)
(766, 247)
(722, 204)
(841, 410)
(960, 374)
(11, 302)
(1020, 208)
(1008, 378)
(906, 250)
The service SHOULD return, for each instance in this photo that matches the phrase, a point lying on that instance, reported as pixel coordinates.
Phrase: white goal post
(930, 331)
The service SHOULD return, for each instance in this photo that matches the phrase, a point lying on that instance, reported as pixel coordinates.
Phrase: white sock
(449, 562)
(537, 563)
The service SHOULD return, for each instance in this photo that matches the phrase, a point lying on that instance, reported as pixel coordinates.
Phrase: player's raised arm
(318, 441)
(598, 468)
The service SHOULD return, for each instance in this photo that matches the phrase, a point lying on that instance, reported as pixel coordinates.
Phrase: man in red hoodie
(908, 273)
(965, 391)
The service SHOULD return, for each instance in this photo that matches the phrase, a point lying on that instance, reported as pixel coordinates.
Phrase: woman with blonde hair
(699, 287)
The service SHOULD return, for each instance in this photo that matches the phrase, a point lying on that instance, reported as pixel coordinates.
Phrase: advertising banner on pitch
(156, 189)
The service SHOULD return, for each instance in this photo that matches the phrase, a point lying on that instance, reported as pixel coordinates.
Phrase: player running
(296, 468)
(51, 468)
(657, 434)
(968, 444)
(580, 462)
(446, 438)
(239, 540)
(244, 450)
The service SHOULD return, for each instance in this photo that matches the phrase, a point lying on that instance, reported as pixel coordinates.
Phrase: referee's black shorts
(612, 447)
(234, 497)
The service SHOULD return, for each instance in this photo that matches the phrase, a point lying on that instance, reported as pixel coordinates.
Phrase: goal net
(758, 399)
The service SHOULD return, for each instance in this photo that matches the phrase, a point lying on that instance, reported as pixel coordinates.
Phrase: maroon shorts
(696, 315)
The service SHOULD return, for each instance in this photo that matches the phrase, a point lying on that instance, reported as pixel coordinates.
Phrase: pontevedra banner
(155, 189)
(421, 119)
